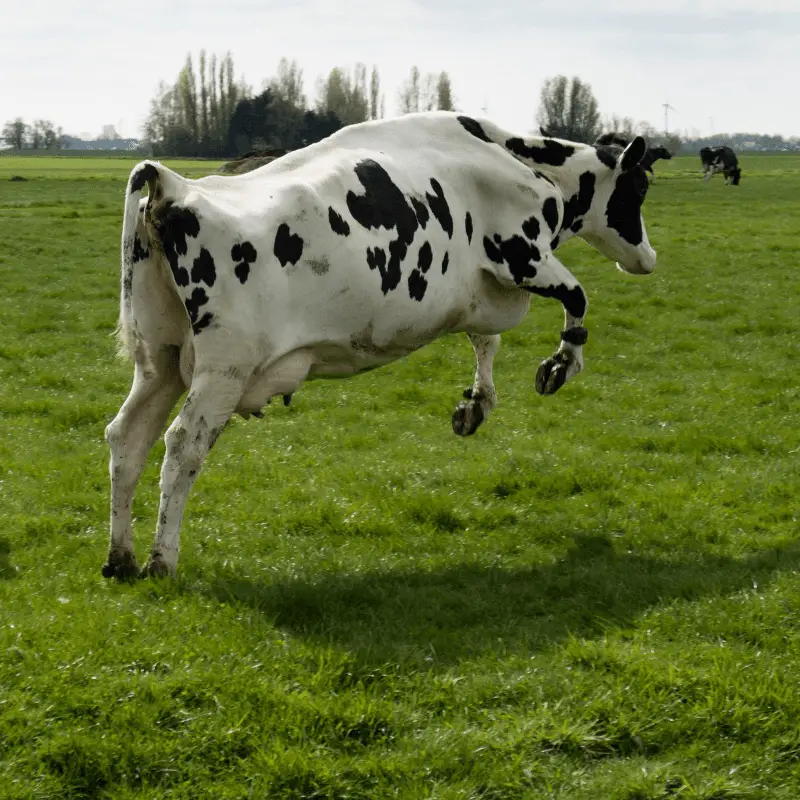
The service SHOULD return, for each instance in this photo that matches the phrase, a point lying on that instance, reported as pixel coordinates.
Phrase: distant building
(73, 143)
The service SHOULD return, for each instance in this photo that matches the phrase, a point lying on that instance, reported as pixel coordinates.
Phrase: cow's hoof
(552, 373)
(156, 567)
(121, 565)
(469, 414)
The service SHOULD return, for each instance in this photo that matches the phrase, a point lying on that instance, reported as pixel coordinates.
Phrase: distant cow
(341, 257)
(652, 154)
(721, 159)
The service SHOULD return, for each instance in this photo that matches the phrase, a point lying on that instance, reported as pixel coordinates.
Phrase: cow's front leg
(553, 279)
(211, 400)
(481, 398)
(130, 436)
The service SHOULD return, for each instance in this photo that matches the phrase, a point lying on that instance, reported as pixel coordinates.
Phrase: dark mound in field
(17, 178)
(251, 161)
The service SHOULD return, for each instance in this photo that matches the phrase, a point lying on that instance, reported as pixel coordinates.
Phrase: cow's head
(736, 176)
(661, 152)
(614, 224)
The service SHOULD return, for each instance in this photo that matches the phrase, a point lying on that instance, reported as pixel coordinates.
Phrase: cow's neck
(576, 179)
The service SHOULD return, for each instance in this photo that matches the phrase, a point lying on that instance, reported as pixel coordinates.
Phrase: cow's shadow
(463, 612)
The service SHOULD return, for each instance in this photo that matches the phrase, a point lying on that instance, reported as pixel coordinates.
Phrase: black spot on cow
(516, 252)
(142, 176)
(474, 127)
(203, 268)
(203, 322)
(554, 242)
(421, 210)
(181, 275)
(242, 272)
(376, 259)
(531, 228)
(573, 300)
(417, 285)
(607, 155)
(339, 224)
(140, 253)
(173, 225)
(445, 262)
(383, 205)
(425, 258)
(550, 152)
(288, 246)
(576, 226)
(245, 254)
(492, 250)
(580, 203)
(468, 227)
(550, 213)
(439, 207)
(193, 305)
(624, 206)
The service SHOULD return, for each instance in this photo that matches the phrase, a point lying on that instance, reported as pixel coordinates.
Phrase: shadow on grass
(6, 570)
(466, 611)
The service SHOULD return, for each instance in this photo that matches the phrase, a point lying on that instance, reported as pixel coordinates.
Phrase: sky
(723, 65)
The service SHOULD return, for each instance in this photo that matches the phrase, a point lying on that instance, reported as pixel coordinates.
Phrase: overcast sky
(725, 65)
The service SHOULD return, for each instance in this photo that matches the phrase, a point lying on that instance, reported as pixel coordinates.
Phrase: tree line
(210, 113)
(41, 135)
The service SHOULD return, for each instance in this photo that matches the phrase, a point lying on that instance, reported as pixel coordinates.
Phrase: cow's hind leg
(212, 398)
(481, 398)
(130, 436)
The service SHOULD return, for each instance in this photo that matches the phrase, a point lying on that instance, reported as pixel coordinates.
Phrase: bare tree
(568, 109)
(287, 85)
(345, 95)
(409, 98)
(624, 126)
(42, 134)
(192, 116)
(426, 92)
(203, 99)
(374, 92)
(444, 93)
(15, 133)
(187, 87)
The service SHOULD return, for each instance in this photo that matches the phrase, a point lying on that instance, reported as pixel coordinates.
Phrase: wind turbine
(667, 108)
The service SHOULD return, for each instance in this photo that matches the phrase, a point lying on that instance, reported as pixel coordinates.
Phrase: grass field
(597, 596)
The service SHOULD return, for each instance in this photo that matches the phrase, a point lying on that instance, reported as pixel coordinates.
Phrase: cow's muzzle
(643, 265)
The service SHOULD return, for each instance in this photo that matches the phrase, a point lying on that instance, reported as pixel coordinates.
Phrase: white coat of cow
(342, 257)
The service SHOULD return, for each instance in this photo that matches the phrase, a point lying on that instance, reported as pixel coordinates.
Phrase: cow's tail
(160, 182)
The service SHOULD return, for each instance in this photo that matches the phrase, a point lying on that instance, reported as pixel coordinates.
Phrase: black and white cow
(721, 159)
(341, 257)
(652, 154)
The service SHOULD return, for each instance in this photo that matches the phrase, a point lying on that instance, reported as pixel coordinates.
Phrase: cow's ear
(633, 154)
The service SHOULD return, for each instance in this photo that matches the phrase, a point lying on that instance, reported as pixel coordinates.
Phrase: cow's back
(363, 236)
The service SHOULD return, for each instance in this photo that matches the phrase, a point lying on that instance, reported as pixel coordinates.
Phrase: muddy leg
(211, 400)
(130, 436)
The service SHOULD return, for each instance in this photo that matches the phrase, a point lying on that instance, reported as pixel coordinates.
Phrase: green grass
(597, 596)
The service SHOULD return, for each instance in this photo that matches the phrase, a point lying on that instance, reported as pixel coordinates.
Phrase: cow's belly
(331, 345)
(285, 374)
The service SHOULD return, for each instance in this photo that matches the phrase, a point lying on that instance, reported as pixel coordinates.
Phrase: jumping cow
(652, 154)
(721, 159)
(341, 257)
